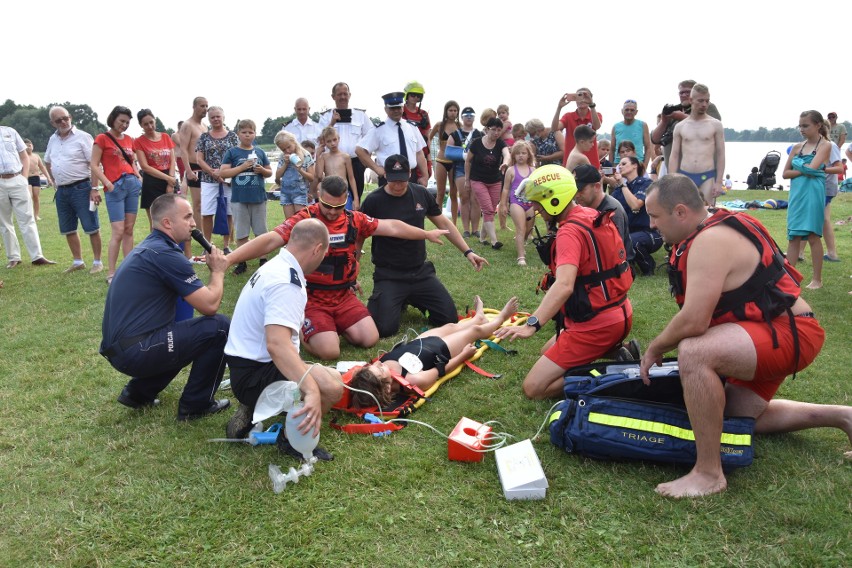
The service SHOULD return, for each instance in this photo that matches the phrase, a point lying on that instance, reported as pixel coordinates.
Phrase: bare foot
(848, 456)
(693, 484)
(478, 307)
(509, 309)
(814, 285)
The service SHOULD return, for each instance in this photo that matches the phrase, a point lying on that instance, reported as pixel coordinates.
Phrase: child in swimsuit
(523, 163)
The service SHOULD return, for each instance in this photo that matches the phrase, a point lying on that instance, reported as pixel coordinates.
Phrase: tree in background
(34, 123)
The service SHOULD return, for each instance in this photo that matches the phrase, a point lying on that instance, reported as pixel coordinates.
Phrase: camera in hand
(668, 109)
(345, 114)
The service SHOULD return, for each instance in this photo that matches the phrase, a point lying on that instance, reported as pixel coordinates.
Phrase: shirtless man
(37, 169)
(698, 147)
(188, 134)
(584, 137)
(335, 163)
(729, 327)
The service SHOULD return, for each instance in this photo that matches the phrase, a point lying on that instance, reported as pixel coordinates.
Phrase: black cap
(397, 168)
(467, 110)
(584, 174)
(394, 99)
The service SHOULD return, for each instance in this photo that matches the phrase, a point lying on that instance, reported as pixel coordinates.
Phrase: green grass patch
(87, 482)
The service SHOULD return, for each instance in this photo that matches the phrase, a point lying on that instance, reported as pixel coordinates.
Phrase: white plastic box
(520, 472)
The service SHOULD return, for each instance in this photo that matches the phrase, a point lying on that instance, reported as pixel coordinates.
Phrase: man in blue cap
(394, 136)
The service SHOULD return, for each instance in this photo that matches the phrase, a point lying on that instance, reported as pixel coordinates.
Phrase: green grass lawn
(87, 482)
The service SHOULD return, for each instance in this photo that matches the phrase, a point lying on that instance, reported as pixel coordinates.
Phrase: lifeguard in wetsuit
(741, 317)
(333, 308)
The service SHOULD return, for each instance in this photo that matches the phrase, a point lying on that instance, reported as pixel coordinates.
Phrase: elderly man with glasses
(67, 158)
(333, 309)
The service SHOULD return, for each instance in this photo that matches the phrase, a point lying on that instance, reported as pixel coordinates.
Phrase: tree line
(34, 123)
(764, 134)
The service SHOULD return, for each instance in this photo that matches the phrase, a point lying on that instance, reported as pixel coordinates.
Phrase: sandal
(109, 280)
(522, 261)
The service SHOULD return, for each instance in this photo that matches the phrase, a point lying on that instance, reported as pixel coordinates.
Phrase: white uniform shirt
(10, 149)
(308, 131)
(384, 141)
(274, 295)
(69, 157)
(350, 132)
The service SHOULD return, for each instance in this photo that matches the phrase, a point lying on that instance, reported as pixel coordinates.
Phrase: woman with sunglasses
(630, 189)
(634, 130)
(113, 165)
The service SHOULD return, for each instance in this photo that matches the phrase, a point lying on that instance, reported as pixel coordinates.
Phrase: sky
(763, 62)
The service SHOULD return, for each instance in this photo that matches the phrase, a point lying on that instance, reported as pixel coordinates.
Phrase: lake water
(741, 157)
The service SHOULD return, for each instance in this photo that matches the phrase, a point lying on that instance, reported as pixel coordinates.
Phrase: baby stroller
(766, 172)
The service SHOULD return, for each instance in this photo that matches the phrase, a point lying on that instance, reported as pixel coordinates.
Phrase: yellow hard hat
(414, 87)
(552, 186)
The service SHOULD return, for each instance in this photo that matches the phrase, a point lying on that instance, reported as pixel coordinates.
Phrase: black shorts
(34, 181)
(249, 378)
(197, 169)
(152, 188)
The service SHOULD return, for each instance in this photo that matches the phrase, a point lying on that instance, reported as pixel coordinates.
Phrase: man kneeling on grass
(140, 335)
(263, 346)
(741, 318)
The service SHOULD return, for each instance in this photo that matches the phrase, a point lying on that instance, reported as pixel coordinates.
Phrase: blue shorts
(72, 203)
(294, 195)
(459, 170)
(828, 199)
(124, 197)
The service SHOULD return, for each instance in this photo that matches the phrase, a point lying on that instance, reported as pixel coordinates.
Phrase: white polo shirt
(69, 157)
(274, 295)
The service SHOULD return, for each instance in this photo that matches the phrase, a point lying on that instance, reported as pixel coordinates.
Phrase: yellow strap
(553, 417)
(661, 428)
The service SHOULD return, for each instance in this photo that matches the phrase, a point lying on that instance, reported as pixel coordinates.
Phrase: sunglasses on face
(330, 206)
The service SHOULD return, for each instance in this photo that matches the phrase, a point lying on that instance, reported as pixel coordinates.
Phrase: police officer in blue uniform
(140, 335)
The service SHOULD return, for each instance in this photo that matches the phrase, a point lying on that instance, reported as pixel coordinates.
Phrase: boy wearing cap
(402, 274)
(394, 136)
(588, 282)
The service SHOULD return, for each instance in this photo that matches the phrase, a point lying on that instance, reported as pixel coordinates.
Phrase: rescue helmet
(551, 186)
(415, 88)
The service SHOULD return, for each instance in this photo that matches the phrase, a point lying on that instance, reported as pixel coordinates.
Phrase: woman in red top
(155, 153)
(113, 151)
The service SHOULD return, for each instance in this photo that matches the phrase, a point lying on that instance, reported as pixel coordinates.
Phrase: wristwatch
(533, 322)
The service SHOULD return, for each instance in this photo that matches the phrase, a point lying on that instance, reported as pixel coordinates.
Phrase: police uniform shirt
(145, 289)
(308, 131)
(10, 149)
(384, 141)
(274, 295)
(349, 132)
